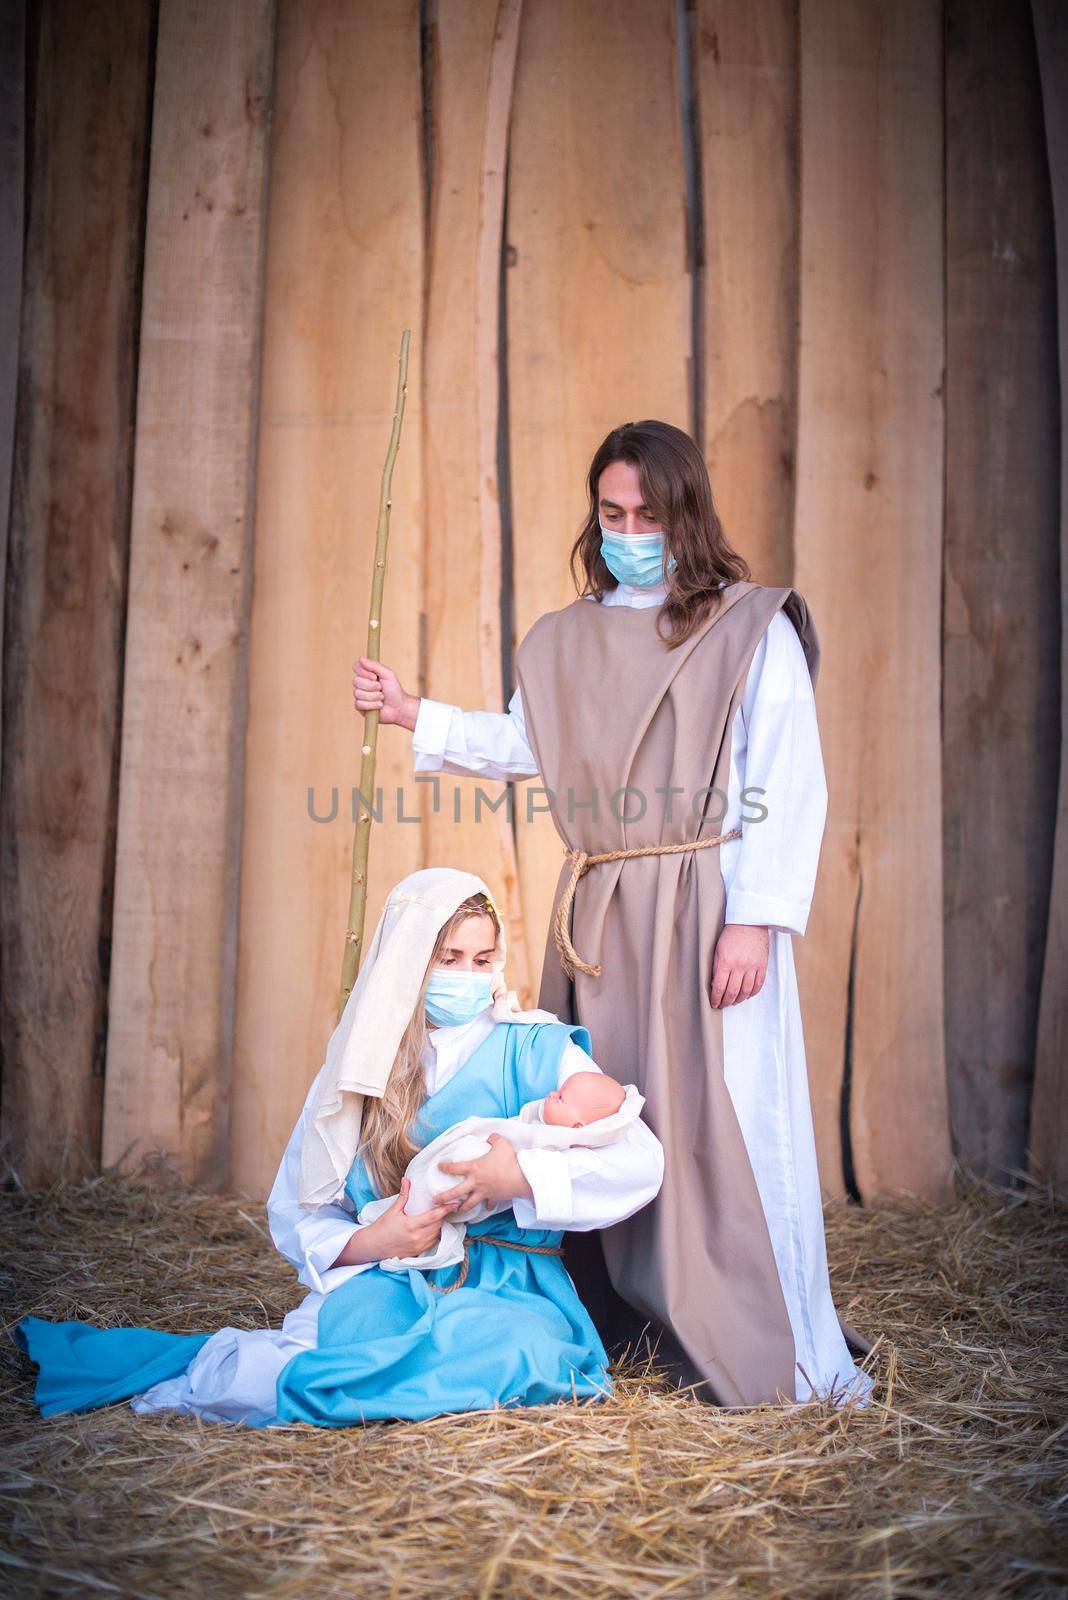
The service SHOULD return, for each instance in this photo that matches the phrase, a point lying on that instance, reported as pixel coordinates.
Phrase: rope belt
(502, 1244)
(581, 862)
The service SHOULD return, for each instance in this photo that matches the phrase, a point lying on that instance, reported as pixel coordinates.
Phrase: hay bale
(950, 1483)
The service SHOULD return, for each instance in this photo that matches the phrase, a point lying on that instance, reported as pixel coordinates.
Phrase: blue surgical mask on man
(637, 560)
(456, 997)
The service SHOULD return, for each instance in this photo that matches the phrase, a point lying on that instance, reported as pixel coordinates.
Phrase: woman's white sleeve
(475, 744)
(580, 1189)
(311, 1240)
(772, 874)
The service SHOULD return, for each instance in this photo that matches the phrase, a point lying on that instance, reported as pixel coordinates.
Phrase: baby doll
(590, 1109)
(585, 1097)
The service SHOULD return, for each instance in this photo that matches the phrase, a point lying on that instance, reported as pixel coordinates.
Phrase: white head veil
(363, 1046)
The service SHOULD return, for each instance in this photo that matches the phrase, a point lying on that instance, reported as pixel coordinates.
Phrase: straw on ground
(952, 1483)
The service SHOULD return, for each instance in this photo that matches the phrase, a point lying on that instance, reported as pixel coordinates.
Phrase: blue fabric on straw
(82, 1366)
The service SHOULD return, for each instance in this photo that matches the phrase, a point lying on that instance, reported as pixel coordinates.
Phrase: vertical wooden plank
(12, 215)
(598, 299)
(746, 79)
(344, 278)
(868, 558)
(1048, 1149)
(170, 1024)
(66, 579)
(470, 97)
(1001, 629)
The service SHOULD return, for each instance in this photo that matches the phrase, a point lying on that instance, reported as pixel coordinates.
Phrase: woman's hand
(494, 1178)
(395, 1233)
(376, 687)
(740, 964)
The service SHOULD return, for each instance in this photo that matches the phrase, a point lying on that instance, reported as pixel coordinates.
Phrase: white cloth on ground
(467, 1140)
(233, 1376)
(769, 874)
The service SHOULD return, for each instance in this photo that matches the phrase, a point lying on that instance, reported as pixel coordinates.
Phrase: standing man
(669, 709)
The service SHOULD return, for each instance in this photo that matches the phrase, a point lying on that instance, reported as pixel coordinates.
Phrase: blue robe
(514, 1333)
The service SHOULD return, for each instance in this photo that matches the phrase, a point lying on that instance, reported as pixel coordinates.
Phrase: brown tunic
(607, 704)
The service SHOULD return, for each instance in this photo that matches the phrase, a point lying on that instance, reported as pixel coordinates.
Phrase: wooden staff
(362, 834)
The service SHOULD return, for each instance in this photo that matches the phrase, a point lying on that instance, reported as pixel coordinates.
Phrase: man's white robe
(769, 875)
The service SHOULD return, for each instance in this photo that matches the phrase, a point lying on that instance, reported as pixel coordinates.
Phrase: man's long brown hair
(675, 486)
(385, 1139)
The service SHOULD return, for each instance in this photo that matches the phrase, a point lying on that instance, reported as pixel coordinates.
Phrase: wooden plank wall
(868, 559)
(746, 72)
(1000, 631)
(468, 94)
(66, 573)
(1049, 1112)
(741, 219)
(171, 998)
(344, 277)
(12, 228)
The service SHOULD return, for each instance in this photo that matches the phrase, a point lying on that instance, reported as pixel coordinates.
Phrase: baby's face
(585, 1097)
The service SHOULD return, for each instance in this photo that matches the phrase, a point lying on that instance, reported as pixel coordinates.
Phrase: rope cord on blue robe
(504, 1244)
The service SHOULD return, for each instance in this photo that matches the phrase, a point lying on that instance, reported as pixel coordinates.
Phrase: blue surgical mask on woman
(638, 560)
(455, 997)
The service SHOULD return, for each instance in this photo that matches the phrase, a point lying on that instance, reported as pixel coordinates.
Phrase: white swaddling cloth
(466, 1141)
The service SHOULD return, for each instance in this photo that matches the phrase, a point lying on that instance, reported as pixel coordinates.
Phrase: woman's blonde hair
(385, 1143)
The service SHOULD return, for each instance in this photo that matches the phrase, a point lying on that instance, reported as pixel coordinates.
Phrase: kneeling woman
(429, 1035)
